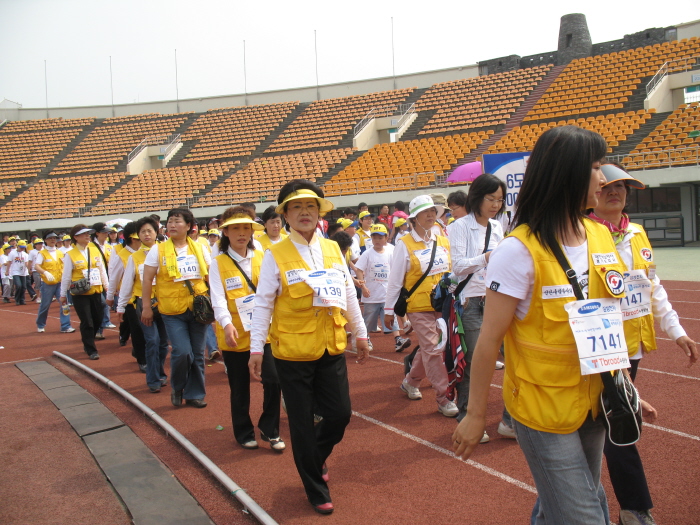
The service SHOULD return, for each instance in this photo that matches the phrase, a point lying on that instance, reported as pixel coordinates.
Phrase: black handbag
(201, 306)
(622, 409)
(401, 304)
(81, 286)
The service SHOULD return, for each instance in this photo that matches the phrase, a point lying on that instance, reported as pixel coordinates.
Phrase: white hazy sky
(77, 37)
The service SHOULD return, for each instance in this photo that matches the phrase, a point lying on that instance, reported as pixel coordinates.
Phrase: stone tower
(574, 38)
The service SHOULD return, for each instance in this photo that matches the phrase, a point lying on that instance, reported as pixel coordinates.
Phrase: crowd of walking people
(281, 297)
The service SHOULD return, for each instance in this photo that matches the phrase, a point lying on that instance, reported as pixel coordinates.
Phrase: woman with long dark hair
(234, 277)
(555, 409)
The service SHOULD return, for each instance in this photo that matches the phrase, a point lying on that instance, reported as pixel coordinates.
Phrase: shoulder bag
(82, 286)
(203, 310)
(401, 305)
(622, 409)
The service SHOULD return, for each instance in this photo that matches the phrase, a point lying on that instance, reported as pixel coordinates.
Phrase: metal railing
(672, 66)
(665, 158)
(405, 110)
(155, 140)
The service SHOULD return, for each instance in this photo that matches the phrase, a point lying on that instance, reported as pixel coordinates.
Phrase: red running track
(395, 464)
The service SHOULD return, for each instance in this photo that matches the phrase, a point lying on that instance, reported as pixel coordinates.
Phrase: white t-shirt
(3, 260)
(375, 267)
(32, 257)
(152, 257)
(19, 263)
(477, 284)
(512, 269)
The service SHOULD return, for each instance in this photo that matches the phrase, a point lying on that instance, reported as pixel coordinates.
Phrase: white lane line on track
(442, 450)
(669, 373)
(21, 361)
(670, 431)
(693, 302)
(689, 318)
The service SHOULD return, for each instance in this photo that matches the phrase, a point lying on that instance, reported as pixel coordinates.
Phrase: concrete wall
(303, 94)
(688, 29)
(668, 94)
(376, 131)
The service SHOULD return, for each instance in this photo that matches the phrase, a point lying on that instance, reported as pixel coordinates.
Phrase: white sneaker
(40, 330)
(110, 325)
(449, 409)
(485, 438)
(412, 392)
(500, 365)
(506, 431)
(67, 330)
(401, 343)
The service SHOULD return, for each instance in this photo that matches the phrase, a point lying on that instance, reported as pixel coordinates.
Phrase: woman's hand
(362, 350)
(388, 319)
(147, 316)
(689, 347)
(467, 435)
(231, 334)
(365, 291)
(648, 412)
(255, 366)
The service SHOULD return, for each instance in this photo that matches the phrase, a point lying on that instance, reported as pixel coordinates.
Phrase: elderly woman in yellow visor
(307, 292)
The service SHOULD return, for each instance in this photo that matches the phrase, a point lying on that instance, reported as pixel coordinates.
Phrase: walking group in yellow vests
(282, 297)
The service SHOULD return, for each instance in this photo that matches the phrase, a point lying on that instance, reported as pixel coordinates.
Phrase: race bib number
(441, 264)
(328, 286)
(600, 259)
(600, 338)
(293, 276)
(141, 275)
(245, 306)
(637, 302)
(380, 273)
(233, 283)
(189, 268)
(93, 276)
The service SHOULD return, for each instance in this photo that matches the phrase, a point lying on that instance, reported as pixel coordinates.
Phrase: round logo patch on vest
(646, 254)
(614, 282)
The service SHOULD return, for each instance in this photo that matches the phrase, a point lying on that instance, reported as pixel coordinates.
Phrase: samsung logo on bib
(249, 299)
(320, 273)
(589, 308)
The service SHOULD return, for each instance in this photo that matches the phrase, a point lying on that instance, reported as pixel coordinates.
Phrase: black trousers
(239, 383)
(124, 331)
(138, 342)
(90, 313)
(626, 470)
(319, 386)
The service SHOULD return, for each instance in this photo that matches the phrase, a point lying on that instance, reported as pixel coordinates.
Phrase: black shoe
(6, 300)
(142, 368)
(154, 390)
(276, 444)
(33, 298)
(122, 342)
(196, 403)
(94, 357)
(176, 397)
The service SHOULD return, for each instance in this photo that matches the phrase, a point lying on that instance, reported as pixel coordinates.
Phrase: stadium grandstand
(641, 92)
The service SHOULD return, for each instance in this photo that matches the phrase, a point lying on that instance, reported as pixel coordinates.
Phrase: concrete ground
(678, 264)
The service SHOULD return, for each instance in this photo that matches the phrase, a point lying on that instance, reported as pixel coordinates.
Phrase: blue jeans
(566, 469)
(187, 338)
(156, 338)
(105, 320)
(48, 292)
(372, 313)
(211, 339)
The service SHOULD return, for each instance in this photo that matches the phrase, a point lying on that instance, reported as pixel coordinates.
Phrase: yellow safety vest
(174, 297)
(543, 387)
(419, 301)
(363, 235)
(139, 258)
(54, 267)
(80, 264)
(107, 249)
(641, 330)
(265, 240)
(228, 270)
(299, 330)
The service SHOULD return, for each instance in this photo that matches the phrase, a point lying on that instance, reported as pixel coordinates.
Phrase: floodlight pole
(111, 84)
(318, 95)
(245, 77)
(46, 90)
(393, 67)
(177, 91)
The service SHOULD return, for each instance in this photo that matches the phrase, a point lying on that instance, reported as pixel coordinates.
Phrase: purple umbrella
(466, 172)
